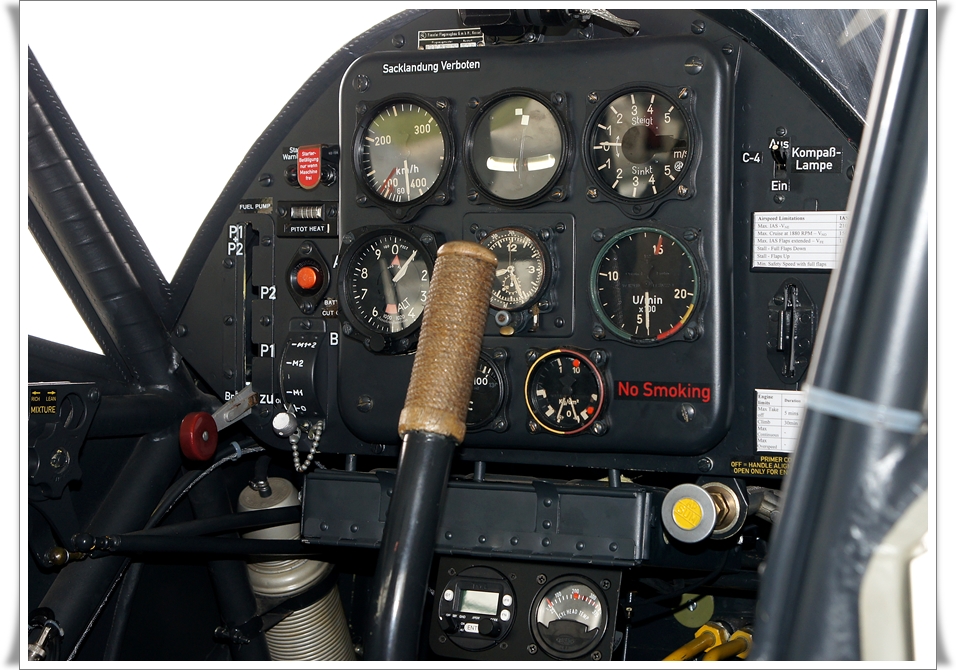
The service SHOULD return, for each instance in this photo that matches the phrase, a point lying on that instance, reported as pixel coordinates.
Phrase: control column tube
(431, 425)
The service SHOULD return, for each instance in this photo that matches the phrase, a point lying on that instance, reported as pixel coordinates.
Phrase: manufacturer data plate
(798, 240)
(779, 417)
(458, 38)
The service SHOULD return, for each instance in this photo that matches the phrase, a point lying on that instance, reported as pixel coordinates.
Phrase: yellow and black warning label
(42, 401)
(763, 466)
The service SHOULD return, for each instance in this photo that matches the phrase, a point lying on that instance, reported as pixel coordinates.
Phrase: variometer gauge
(639, 145)
(403, 151)
(383, 286)
(564, 392)
(569, 617)
(644, 285)
(516, 148)
(523, 268)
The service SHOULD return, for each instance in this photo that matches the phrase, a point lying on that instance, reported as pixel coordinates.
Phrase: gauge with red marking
(644, 285)
(569, 617)
(564, 391)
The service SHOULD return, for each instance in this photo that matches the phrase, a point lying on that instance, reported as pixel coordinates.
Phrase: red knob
(307, 277)
(198, 436)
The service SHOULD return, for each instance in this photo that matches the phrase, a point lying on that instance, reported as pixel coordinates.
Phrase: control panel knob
(689, 513)
(448, 625)
(488, 627)
(284, 424)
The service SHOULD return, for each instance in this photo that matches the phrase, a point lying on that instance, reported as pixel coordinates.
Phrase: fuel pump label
(779, 417)
(798, 240)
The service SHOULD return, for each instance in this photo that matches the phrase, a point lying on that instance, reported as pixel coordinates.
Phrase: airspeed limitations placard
(798, 240)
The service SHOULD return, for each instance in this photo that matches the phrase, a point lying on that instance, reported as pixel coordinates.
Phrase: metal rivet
(482, 539)
(228, 373)
(546, 524)
(546, 542)
(779, 198)
(547, 502)
(448, 536)
(354, 528)
(559, 322)
(323, 526)
(597, 235)
(579, 546)
(612, 546)
(181, 330)
(514, 542)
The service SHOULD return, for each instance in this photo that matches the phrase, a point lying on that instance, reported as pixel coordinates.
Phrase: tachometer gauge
(639, 145)
(564, 392)
(383, 286)
(402, 152)
(516, 148)
(569, 617)
(644, 285)
(523, 268)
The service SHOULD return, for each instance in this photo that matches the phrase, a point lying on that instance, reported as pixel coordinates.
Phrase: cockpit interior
(517, 335)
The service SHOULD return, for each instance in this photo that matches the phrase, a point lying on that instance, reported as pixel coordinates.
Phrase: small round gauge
(401, 152)
(523, 268)
(639, 145)
(644, 285)
(487, 394)
(569, 617)
(516, 148)
(564, 391)
(384, 281)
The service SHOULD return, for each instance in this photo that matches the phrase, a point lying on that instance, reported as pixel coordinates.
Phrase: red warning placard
(309, 166)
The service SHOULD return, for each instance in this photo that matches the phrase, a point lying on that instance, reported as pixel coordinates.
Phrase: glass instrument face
(564, 392)
(517, 148)
(402, 152)
(487, 393)
(386, 282)
(569, 618)
(639, 145)
(644, 285)
(522, 271)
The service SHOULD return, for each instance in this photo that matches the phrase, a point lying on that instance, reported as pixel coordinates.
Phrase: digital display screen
(479, 602)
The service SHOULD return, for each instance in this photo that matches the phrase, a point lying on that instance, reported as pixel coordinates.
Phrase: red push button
(307, 277)
(198, 436)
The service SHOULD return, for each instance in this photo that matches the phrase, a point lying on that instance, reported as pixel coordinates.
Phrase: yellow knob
(688, 513)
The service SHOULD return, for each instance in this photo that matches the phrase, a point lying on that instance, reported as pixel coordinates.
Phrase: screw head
(532, 649)
(779, 198)
(228, 263)
(598, 356)
(533, 427)
(598, 332)
(441, 197)
(599, 428)
(472, 195)
(307, 307)
(59, 460)
(690, 333)
(690, 234)
(683, 191)
(473, 102)
(361, 199)
(228, 373)
(636, 209)
(592, 97)
(557, 194)
(398, 41)
(560, 227)
(850, 171)
(605, 584)
(360, 83)
(693, 65)
(684, 92)
(727, 49)
(686, 412)
(181, 330)
(705, 464)
(427, 238)
(265, 179)
(441, 103)
(365, 403)
(93, 395)
(592, 193)
(781, 131)
(557, 98)
(697, 27)
(597, 235)
(541, 579)
(306, 248)
(265, 320)
(595, 656)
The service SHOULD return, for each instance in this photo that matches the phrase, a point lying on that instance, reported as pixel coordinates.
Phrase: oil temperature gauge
(569, 617)
(564, 392)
